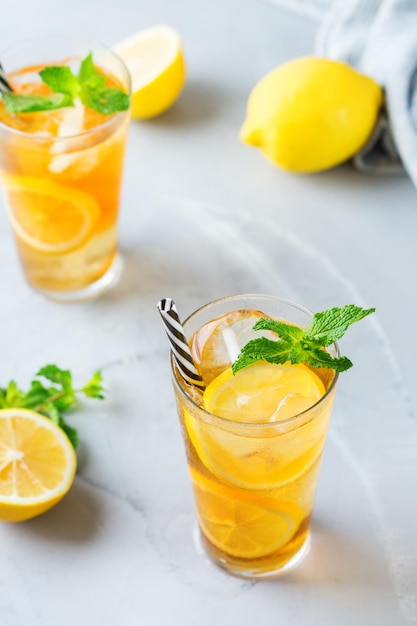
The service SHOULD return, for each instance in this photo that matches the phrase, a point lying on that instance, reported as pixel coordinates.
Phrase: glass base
(104, 283)
(256, 574)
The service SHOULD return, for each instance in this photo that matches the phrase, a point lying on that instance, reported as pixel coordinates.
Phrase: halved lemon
(252, 458)
(47, 216)
(240, 523)
(37, 464)
(156, 64)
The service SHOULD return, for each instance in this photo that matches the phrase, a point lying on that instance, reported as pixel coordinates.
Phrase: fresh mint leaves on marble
(88, 85)
(52, 399)
(296, 345)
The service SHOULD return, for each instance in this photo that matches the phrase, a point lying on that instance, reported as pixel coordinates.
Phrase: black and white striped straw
(5, 86)
(179, 345)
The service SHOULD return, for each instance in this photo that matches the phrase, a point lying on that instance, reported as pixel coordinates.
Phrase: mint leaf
(284, 331)
(295, 345)
(60, 79)
(308, 352)
(51, 411)
(263, 349)
(31, 104)
(13, 395)
(57, 375)
(330, 325)
(105, 101)
(70, 432)
(94, 388)
(36, 395)
(88, 76)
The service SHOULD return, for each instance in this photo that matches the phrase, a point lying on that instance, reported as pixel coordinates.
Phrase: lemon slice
(37, 464)
(263, 392)
(47, 216)
(260, 459)
(241, 524)
(156, 64)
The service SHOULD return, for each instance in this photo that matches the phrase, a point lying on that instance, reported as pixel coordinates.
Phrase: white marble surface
(204, 216)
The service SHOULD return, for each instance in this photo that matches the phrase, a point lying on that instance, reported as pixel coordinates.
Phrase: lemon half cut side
(37, 464)
(155, 61)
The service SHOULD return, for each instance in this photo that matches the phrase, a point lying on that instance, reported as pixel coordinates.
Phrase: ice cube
(72, 124)
(216, 345)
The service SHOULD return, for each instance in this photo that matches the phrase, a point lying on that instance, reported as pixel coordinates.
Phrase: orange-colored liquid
(254, 483)
(61, 178)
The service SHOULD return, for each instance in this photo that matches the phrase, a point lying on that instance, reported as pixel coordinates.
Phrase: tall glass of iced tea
(254, 441)
(61, 173)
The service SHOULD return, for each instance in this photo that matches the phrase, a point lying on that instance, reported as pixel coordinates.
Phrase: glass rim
(90, 131)
(212, 417)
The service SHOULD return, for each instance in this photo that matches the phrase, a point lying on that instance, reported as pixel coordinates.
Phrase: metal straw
(179, 345)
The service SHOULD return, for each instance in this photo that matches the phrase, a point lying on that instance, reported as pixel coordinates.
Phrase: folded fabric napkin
(379, 38)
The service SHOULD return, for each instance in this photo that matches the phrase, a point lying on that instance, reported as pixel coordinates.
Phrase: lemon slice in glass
(47, 216)
(240, 523)
(262, 394)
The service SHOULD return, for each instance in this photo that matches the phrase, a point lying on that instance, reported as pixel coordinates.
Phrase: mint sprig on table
(88, 85)
(296, 345)
(52, 399)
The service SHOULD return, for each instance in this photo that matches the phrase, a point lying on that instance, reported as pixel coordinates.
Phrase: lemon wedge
(37, 464)
(49, 217)
(155, 60)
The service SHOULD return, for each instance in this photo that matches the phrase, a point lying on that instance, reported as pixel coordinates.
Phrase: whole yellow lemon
(310, 114)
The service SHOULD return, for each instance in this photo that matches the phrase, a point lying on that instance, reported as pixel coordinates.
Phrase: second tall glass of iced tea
(61, 173)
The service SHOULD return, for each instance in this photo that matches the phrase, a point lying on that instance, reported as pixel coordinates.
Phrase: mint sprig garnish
(296, 345)
(52, 399)
(88, 85)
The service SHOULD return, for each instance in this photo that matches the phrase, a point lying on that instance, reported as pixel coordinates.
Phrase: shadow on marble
(133, 280)
(200, 102)
(335, 561)
(146, 273)
(74, 520)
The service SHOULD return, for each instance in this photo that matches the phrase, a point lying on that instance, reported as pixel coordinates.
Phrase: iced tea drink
(61, 173)
(254, 441)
